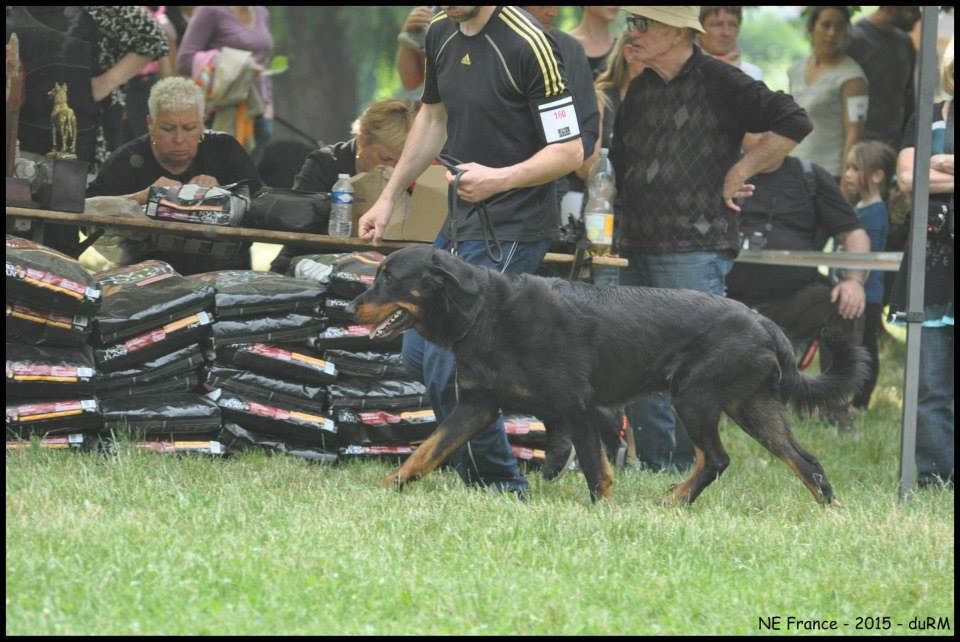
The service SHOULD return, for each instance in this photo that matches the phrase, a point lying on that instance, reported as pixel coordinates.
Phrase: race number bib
(559, 120)
(857, 108)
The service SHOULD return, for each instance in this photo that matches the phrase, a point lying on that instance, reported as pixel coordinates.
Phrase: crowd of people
(708, 161)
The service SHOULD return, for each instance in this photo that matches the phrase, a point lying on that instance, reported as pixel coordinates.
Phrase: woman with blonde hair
(378, 136)
(621, 67)
(593, 32)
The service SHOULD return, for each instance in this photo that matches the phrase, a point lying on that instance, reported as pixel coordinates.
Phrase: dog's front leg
(474, 412)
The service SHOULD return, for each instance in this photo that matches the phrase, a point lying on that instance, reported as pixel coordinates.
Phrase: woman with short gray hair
(177, 150)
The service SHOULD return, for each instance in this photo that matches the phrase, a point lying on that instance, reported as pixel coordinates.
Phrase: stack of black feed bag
(263, 307)
(171, 422)
(269, 385)
(275, 397)
(149, 349)
(50, 370)
(380, 411)
(527, 437)
(150, 331)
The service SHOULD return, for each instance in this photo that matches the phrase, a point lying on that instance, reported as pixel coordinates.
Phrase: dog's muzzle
(393, 325)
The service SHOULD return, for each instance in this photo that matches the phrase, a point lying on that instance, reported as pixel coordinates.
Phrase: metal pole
(915, 270)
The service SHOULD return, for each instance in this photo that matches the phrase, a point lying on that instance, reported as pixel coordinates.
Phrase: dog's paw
(391, 482)
(678, 495)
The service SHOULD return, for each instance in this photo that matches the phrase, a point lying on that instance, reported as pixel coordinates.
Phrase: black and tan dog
(559, 350)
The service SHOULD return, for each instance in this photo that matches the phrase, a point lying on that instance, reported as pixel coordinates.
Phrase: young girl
(868, 169)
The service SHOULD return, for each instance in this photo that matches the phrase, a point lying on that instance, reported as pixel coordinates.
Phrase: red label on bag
(53, 282)
(154, 279)
(379, 418)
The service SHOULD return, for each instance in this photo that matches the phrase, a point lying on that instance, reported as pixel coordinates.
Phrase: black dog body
(559, 350)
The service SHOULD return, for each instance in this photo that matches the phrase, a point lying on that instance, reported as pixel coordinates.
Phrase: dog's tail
(847, 372)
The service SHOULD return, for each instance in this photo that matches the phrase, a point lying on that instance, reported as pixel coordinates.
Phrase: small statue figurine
(63, 124)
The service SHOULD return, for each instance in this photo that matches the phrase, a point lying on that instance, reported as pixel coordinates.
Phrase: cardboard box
(366, 189)
(424, 217)
(417, 218)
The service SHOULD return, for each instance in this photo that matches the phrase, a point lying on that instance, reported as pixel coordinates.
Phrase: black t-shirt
(499, 87)
(782, 209)
(132, 167)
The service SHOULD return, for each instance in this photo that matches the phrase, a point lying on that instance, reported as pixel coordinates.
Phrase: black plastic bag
(173, 414)
(150, 345)
(314, 267)
(268, 388)
(46, 279)
(336, 310)
(188, 382)
(384, 428)
(380, 365)
(287, 328)
(353, 337)
(67, 441)
(525, 431)
(353, 274)
(224, 205)
(289, 422)
(172, 364)
(48, 372)
(238, 438)
(289, 210)
(42, 418)
(293, 363)
(387, 453)
(138, 298)
(246, 293)
(533, 457)
(363, 394)
(35, 326)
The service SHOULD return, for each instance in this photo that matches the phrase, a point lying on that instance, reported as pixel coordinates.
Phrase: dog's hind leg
(701, 419)
(763, 418)
(474, 412)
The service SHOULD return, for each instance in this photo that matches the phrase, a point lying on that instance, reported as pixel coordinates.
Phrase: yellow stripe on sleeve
(553, 85)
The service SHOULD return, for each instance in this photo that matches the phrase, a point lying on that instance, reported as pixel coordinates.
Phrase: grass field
(147, 544)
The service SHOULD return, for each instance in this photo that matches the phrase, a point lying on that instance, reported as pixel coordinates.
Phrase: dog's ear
(445, 267)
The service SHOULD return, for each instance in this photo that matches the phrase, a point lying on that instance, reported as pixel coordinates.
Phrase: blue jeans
(662, 443)
(935, 412)
(487, 459)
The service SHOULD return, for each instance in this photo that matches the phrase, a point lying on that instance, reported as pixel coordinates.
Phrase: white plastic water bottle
(598, 213)
(341, 207)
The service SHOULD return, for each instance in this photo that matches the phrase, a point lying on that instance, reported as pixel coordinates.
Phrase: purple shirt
(212, 27)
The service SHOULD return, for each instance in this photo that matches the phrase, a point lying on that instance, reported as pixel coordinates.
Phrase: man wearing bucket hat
(676, 151)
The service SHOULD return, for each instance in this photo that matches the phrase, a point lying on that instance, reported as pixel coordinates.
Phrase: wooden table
(885, 261)
(36, 218)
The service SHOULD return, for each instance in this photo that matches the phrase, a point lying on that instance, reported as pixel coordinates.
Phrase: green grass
(146, 544)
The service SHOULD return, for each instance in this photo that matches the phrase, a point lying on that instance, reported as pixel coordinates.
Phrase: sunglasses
(639, 23)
